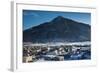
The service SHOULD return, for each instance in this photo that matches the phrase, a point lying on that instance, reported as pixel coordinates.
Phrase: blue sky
(33, 18)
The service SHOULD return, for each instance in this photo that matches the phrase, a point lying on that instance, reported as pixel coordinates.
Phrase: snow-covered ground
(58, 43)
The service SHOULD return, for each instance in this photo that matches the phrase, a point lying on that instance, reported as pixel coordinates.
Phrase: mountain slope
(60, 29)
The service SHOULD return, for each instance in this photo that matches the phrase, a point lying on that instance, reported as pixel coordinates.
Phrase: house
(27, 59)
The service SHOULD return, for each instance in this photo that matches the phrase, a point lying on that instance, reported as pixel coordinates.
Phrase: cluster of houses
(44, 52)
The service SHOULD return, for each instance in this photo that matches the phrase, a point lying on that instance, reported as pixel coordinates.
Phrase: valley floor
(64, 52)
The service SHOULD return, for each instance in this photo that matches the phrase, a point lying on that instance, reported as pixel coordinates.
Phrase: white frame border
(16, 65)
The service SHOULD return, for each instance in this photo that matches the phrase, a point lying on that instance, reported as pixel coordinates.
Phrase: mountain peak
(59, 18)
